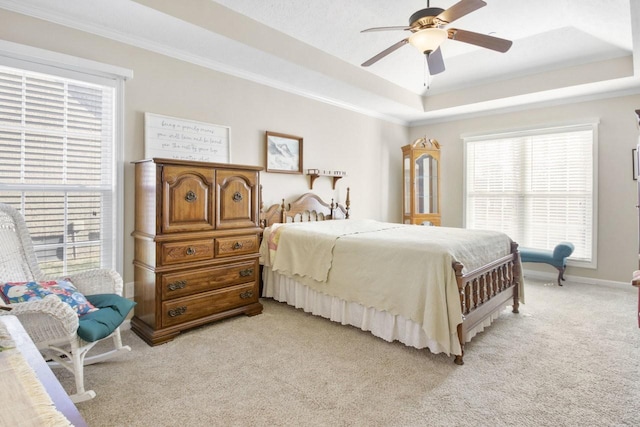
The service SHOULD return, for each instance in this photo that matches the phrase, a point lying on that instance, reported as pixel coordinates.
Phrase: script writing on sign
(172, 138)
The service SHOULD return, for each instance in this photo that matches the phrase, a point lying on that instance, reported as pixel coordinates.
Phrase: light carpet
(570, 358)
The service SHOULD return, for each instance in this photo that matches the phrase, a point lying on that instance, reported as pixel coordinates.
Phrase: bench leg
(560, 275)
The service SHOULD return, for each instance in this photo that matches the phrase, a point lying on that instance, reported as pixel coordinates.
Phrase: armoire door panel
(187, 199)
(237, 199)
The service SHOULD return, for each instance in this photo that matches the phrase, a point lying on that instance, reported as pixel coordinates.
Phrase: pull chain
(427, 76)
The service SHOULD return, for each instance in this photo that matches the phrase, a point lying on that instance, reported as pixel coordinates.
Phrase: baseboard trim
(129, 290)
(553, 277)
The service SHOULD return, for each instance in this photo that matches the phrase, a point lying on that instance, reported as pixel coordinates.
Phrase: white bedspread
(401, 269)
(306, 249)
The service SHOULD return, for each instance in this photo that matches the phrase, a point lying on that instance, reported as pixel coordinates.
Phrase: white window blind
(58, 166)
(536, 186)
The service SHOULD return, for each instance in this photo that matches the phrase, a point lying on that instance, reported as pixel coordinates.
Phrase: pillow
(100, 324)
(15, 292)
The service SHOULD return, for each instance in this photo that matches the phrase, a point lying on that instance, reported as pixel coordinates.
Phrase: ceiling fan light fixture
(428, 40)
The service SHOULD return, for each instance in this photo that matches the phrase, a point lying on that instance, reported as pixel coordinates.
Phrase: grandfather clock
(421, 182)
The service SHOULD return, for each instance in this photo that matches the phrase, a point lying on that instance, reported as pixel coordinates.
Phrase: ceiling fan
(428, 32)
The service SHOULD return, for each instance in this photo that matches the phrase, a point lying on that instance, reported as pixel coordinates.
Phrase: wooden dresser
(196, 237)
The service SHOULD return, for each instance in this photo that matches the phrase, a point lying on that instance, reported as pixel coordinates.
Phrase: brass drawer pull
(237, 197)
(247, 294)
(246, 272)
(191, 251)
(178, 311)
(237, 245)
(179, 284)
(191, 196)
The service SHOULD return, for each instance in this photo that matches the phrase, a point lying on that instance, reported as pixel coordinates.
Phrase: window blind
(536, 186)
(57, 152)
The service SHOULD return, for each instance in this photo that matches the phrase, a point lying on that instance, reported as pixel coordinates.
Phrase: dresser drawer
(189, 282)
(186, 251)
(185, 309)
(238, 245)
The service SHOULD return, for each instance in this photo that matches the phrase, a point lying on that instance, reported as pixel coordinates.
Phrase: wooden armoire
(196, 238)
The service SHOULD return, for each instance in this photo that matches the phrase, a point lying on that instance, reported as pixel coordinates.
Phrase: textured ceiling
(561, 48)
(546, 34)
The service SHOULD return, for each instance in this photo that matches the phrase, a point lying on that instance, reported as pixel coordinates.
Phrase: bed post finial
(347, 204)
(283, 213)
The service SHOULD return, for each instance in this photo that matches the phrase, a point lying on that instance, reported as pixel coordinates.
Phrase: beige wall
(617, 250)
(334, 138)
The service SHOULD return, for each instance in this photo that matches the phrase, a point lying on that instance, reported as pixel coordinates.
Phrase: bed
(427, 287)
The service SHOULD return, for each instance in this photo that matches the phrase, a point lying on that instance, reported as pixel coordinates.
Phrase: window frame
(42, 61)
(590, 124)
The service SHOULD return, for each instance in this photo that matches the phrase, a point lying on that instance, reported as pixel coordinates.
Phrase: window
(537, 186)
(59, 155)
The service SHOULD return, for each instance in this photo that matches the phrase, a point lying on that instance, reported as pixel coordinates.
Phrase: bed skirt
(381, 324)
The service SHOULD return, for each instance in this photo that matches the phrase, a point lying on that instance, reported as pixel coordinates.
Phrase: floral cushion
(15, 292)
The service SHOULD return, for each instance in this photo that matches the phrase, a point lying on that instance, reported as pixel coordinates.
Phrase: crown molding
(146, 44)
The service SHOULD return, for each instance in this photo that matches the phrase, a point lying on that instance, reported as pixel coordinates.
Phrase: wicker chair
(51, 323)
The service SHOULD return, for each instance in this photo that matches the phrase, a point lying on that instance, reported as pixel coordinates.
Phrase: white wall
(367, 148)
(617, 249)
(334, 138)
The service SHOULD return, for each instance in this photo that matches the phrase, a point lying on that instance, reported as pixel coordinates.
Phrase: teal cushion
(113, 309)
(536, 255)
(556, 258)
(563, 250)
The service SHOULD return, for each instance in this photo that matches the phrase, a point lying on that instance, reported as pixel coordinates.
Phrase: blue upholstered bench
(557, 257)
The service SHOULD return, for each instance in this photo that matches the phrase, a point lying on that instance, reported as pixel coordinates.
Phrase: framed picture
(634, 163)
(284, 153)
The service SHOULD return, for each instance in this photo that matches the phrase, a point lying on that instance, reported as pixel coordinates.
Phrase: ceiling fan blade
(385, 52)
(385, 29)
(482, 40)
(459, 10)
(435, 62)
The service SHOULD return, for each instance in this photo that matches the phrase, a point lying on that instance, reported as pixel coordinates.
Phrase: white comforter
(402, 269)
